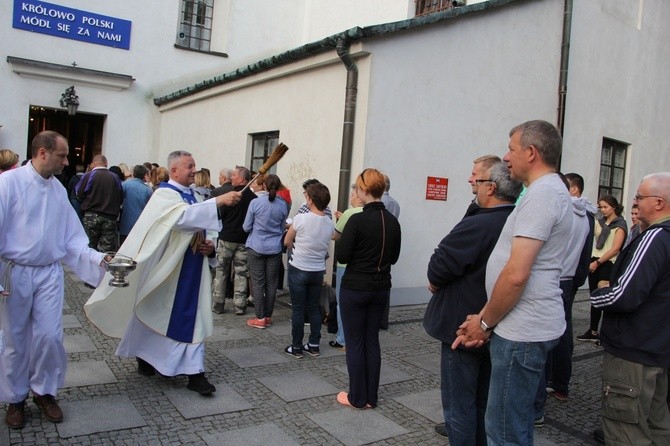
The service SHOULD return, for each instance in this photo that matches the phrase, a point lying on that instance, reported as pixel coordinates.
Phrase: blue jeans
(558, 368)
(465, 389)
(516, 369)
(305, 289)
(339, 273)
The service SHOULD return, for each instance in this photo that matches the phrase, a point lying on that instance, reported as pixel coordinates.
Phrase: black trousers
(362, 313)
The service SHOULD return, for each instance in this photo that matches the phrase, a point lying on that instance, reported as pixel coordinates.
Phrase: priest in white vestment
(164, 315)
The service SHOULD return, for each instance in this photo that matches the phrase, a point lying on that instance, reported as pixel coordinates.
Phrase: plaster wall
(326, 18)
(247, 31)
(129, 134)
(445, 94)
(618, 88)
(306, 106)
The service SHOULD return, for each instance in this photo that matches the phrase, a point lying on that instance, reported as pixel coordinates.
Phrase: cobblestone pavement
(266, 397)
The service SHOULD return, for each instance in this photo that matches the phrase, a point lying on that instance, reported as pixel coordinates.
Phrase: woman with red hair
(369, 245)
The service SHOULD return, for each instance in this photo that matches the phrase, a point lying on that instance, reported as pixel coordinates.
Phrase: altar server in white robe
(39, 229)
(164, 315)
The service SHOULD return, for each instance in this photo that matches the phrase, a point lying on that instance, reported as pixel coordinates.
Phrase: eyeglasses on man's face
(484, 181)
(639, 197)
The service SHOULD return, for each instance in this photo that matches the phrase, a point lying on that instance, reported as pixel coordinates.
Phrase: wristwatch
(484, 326)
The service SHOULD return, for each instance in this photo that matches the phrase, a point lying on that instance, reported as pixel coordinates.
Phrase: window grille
(195, 25)
(423, 7)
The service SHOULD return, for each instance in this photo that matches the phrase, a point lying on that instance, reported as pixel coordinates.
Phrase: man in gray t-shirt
(544, 215)
(522, 282)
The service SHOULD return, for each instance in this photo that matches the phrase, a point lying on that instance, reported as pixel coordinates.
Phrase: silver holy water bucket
(120, 266)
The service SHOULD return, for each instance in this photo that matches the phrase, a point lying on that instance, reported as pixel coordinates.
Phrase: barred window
(262, 145)
(195, 25)
(424, 7)
(612, 168)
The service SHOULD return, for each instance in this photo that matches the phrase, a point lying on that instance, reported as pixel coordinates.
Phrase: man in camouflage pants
(231, 249)
(101, 196)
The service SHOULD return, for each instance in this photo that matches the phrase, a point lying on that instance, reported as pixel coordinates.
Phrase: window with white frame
(612, 168)
(195, 24)
(262, 145)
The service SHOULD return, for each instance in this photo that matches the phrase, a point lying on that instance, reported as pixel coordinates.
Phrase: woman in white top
(308, 237)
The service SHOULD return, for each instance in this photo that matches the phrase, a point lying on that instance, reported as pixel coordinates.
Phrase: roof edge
(326, 44)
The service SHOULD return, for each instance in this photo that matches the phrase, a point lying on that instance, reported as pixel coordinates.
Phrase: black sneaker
(313, 351)
(539, 422)
(198, 383)
(293, 352)
(336, 345)
(588, 336)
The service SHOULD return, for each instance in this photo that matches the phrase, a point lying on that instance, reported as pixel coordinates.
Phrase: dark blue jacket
(637, 304)
(458, 267)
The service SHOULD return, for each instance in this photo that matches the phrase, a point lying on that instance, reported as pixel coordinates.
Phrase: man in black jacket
(456, 279)
(231, 251)
(101, 195)
(634, 330)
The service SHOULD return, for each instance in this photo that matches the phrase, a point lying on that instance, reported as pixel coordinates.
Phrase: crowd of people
(503, 284)
(179, 229)
(503, 281)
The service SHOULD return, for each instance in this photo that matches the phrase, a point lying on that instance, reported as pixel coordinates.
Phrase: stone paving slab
(260, 435)
(389, 341)
(244, 409)
(420, 332)
(298, 385)
(70, 321)
(255, 356)
(101, 414)
(4, 430)
(387, 374)
(221, 333)
(78, 343)
(427, 403)
(88, 374)
(355, 427)
(429, 362)
(192, 405)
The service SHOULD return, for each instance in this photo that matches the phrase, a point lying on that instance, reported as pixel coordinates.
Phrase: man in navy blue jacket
(456, 279)
(634, 330)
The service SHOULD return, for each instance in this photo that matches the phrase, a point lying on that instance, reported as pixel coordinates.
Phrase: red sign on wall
(436, 188)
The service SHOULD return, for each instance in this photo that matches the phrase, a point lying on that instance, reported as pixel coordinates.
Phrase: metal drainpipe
(565, 57)
(348, 124)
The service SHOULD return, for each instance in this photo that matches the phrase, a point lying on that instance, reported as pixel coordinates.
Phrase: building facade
(119, 55)
(354, 85)
(437, 91)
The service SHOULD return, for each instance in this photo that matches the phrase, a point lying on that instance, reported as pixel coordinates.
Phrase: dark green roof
(327, 44)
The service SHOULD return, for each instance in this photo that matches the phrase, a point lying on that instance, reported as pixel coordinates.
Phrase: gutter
(565, 58)
(348, 126)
